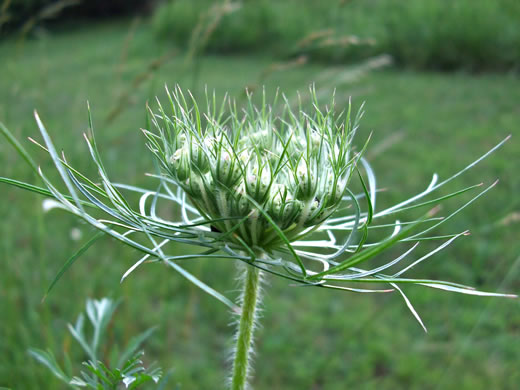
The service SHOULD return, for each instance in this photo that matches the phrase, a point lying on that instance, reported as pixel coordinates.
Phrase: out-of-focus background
(441, 85)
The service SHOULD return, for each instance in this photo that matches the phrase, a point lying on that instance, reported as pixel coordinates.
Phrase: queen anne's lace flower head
(260, 172)
(271, 190)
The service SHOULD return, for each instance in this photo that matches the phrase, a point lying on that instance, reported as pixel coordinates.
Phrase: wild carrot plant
(273, 192)
(125, 368)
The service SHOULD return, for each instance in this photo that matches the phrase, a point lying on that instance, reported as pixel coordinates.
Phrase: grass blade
(57, 162)
(72, 260)
(19, 148)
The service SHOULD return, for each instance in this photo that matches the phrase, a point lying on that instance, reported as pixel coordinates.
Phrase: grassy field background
(310, 339)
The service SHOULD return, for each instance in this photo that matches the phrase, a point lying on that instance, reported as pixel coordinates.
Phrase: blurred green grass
(418, 34)
(310, 339)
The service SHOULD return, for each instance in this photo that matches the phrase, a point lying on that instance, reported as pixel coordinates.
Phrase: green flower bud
(227, 171)
(180, 164)
(199, 158)
(198, 186)
(241, 205)
(257, 184)
(338, 190)
(318, 211)
(305, 182)
(284, 209)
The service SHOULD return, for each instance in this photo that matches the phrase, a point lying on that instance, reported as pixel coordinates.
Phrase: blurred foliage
(470, 34)
(244, 27)
(16, 14)
(474, 35)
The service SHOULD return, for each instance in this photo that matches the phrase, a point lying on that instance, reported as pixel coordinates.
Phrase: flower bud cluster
(264, 173)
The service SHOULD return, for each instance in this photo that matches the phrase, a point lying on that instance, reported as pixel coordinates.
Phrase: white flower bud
(315, 140)
(260, 137)
(244, 157)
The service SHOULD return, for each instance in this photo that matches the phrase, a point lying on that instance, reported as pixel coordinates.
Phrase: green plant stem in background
(246, 326)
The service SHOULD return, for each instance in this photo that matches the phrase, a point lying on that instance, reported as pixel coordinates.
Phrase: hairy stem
(244, 340)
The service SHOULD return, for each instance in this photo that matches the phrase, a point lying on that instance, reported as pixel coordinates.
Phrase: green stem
(250, 299)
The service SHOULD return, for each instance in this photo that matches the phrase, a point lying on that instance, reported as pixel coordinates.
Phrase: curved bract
(272, 191)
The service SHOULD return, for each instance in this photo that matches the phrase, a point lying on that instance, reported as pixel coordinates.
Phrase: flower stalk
(250, 298)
